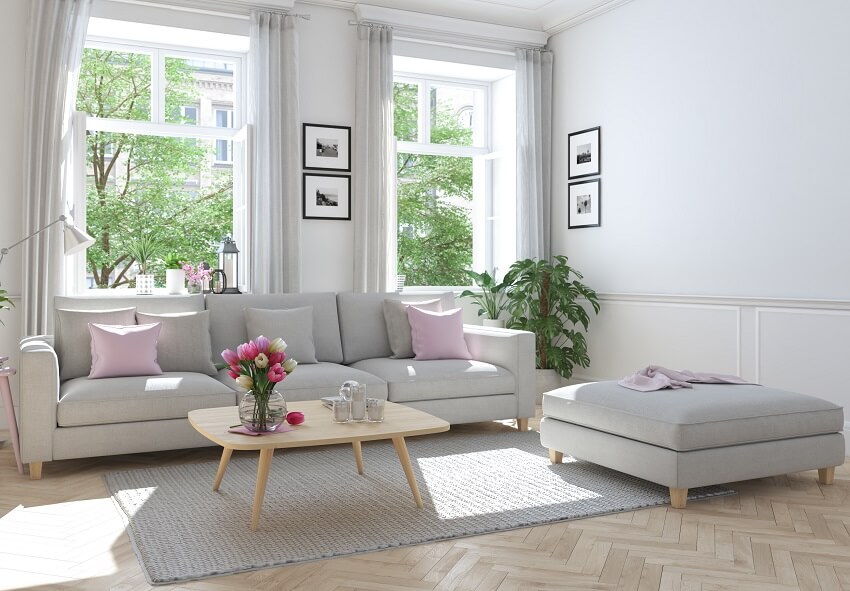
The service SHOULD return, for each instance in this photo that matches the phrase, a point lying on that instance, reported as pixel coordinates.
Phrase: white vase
(497, 323)
(144, 284)
(174, 280)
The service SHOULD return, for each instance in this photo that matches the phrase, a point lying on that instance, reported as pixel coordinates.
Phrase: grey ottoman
(710, 434)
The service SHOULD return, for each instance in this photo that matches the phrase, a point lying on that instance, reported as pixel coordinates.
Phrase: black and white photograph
(326, 147)
(326, 197)
(585, 153)
(583, 210)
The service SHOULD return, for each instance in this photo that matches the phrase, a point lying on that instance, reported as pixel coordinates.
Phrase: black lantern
(228, 261)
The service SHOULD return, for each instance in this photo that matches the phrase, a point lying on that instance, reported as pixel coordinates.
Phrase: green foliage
(5, 302)
(490, 299)
(143, 250)
(172, 261)
(544, 299)
(137, 183)
(435, 230)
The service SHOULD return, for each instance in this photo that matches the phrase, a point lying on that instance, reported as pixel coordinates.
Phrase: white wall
(725, 150)
(725, 146)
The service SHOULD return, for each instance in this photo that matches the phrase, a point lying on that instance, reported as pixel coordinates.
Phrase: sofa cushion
(705, 416)
(145, 398)
(409, 380)
(437, 335)
(295, 326)
(228, 328)
(119, 351)
(73, 340)
(362, 325)
(184, 342)
(398, 325)
(313, 381)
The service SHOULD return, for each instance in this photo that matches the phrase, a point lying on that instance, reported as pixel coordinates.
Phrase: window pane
(149, 184)
(188, 80)
(115, 84)
(434, 219)
(406, 111)
(451, 112)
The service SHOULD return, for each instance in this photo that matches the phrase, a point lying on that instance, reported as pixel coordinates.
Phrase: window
(162, 129)
(445, 155)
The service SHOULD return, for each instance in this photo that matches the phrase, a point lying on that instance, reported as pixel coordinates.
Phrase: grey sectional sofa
(63, 414)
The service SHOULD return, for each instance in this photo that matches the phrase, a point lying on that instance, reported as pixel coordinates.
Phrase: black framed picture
(326, 197)
(327, 147)
(585, 201)
(585, 153)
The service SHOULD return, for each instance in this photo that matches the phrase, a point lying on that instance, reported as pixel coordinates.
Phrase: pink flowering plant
(257, 366)
(196, 274)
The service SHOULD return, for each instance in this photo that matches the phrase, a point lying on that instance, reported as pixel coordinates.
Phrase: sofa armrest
(513, 350)
(38, 376)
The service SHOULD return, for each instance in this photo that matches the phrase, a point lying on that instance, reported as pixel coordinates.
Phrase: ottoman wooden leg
(556, 457)
(678, 497)
(826, 475)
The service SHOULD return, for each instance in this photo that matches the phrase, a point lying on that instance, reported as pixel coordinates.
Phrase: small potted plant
(143, 250)
(175, 276)
(490, 299)
(5, 302)
(196, 276)
(546, 298)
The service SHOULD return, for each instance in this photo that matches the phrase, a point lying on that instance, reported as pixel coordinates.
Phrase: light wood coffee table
(318, 429)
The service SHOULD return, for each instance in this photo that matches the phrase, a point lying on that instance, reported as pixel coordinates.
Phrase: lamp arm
(4, 251)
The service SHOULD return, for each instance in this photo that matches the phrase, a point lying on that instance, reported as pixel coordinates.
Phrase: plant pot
(497, 323)
(547, 379)
(144, 284)
(174, 280)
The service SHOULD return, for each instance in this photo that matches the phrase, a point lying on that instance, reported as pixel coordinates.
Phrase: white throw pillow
(398, 325)
(293, 325)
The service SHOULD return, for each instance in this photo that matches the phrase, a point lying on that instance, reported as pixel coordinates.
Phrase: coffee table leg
(358, 456)
(262, 479)
(401, 450)
(222, 466)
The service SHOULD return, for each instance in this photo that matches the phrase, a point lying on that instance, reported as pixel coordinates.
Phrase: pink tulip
(276, 357)
(247, 351)
(233, 374)
(276, 373)
(295, 417)
(263, 344)
(230, 357)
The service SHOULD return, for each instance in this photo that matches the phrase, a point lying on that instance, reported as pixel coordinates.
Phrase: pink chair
(6, 392)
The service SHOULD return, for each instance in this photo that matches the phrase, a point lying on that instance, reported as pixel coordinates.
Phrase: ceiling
(550, 16)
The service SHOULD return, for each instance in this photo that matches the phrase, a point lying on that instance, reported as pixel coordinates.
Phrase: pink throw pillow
(437, 335)
(120, 351)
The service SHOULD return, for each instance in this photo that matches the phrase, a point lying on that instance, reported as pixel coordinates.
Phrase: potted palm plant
(175, 276)
(547, 299)
(490, 299)
(143, 250)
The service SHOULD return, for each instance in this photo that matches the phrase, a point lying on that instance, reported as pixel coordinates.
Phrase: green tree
(435, 230)
(138, 183)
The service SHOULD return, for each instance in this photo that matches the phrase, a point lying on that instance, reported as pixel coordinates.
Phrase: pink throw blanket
(655, 377)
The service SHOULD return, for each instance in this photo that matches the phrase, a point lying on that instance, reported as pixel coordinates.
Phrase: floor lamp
(75, 239)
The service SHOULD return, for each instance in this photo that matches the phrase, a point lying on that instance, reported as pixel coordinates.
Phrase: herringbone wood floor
(779, 533)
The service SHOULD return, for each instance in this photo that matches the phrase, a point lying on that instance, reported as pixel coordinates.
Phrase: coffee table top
(318, 427)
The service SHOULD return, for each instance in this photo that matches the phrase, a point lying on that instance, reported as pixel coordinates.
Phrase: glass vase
(194, 287)
(262, 411)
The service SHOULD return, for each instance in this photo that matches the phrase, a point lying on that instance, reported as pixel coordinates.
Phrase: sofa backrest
(362, 325)
(228, 327)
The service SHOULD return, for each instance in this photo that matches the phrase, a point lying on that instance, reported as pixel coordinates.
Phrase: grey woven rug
(316, 506)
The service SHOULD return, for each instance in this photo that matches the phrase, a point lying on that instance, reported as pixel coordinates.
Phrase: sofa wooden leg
(522, 424)
(826, 475)
(35, 470)
(555, 456)
(678, 497)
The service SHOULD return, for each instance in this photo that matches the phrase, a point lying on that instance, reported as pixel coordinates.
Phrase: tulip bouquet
(257, 366)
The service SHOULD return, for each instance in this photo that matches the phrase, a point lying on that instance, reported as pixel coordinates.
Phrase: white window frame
(481, 153)
(229, 111)
(158, 126)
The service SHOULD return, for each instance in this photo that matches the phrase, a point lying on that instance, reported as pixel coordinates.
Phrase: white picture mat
(341, 136)
(338, 185)
(579, 190)
(577, 169)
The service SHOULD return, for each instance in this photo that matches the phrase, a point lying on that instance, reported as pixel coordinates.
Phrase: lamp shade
(75, 239)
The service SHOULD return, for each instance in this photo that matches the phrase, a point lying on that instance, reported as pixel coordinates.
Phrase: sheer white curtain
(373, 202)
(534, 153)
(274, 113)
(56, 35)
